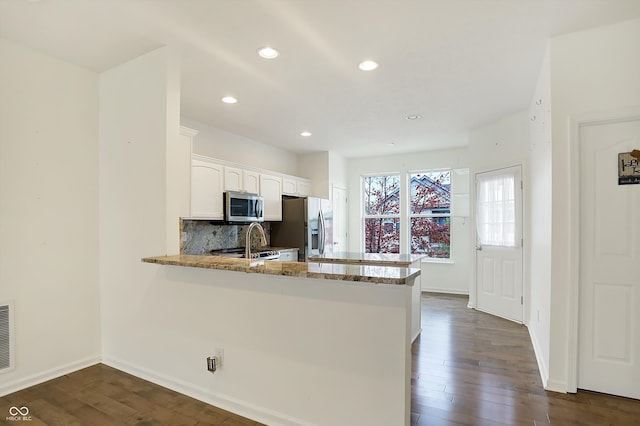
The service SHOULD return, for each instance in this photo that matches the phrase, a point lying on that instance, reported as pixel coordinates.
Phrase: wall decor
(629, 168)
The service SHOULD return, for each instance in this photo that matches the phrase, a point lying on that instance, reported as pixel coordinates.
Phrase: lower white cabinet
(271, 191)
(289, 255)
(207, 188)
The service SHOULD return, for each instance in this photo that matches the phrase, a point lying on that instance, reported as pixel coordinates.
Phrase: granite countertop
(359, 258)
(374, 274)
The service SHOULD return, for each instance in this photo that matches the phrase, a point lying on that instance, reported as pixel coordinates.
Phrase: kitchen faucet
(247, 248)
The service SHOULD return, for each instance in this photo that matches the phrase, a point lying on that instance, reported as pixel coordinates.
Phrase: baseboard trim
(242, 408)
(556, 386)
(44, 376)
(445, 291)
(542, 366)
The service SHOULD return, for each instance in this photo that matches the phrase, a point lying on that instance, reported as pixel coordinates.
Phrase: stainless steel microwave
(241, 207)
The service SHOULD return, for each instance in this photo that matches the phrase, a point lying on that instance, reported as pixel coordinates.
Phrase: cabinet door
(206, 190)
(304, 188)
(289, 255)
(289, 186)
(251, 181)
(271, 191)
(232, 179)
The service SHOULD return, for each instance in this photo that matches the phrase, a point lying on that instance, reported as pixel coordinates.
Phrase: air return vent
(6, 341)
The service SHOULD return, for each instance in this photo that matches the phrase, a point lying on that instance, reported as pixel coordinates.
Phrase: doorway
(609, 255)
(499, 274)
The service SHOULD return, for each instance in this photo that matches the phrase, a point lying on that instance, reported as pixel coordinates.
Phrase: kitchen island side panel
(296, 350)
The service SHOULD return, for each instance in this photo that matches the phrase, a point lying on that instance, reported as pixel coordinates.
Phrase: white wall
(315, 166)
(539, 242)
(503, 143)
(217, 143)
(134, 123)
(591, 71)
(442, 277)
(48, 213)
(326, 169)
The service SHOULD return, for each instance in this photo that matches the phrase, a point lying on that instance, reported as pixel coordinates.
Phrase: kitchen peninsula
(304, 343)
(412, 261)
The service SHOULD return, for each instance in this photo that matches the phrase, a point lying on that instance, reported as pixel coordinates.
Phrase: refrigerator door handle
(321, 232)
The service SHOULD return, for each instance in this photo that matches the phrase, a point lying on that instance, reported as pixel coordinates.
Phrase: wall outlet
(214, 362)
(219, 354)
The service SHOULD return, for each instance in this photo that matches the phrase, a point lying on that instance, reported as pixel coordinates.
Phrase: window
(381, 198)
(430, 213)
(497, 210)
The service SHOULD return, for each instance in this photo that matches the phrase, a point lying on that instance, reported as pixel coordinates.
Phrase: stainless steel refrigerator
(307, 223)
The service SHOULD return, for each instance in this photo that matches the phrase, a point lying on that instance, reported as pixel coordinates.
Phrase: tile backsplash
(201, 236)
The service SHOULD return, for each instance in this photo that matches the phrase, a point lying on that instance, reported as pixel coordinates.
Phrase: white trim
(557, 386)
(445, 291)
(543, 369)
(220, 400)
(186, 131)
(575, 122)
(47, 375)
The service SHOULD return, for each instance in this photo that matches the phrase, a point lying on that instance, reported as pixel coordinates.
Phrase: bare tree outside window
(430, 213)
(381, 195)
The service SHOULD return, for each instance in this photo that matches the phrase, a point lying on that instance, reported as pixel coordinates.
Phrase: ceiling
(458, 64)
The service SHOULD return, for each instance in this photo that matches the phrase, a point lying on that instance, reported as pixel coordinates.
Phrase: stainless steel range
(239, 253)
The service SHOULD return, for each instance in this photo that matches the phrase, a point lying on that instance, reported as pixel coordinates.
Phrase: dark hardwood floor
(100, 395)
(469, 368)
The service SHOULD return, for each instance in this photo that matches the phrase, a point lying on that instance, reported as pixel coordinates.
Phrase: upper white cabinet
(210, 178)
(207, 188)
(296, 186)
(240, 180)
(251, 181)
(271, 191)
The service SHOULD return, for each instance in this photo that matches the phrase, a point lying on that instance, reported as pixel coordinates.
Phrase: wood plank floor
(100, 395)
(469, 368)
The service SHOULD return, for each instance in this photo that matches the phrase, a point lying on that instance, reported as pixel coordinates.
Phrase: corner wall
(591, 71)
(48, 214)
(540, 241)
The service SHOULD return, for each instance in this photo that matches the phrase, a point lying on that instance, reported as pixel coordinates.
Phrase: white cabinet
(271, 191)
(251, 181)
(233, 179)
(240, 180)
(304, 188)
(297, 187)
(207, 188)
(289, 255)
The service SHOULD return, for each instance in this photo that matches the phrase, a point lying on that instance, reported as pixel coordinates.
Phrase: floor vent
(6, 339)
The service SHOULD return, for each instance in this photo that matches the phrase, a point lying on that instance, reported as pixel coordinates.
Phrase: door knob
(479, 248)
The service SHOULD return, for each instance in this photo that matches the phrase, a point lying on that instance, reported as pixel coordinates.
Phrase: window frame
(411, 215)
(363, 208)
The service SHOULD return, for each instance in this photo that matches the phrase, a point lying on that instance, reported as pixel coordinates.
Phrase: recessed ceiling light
(268, 52)
(229, 100)
(305, 134)
(368, 65)
(413, 117)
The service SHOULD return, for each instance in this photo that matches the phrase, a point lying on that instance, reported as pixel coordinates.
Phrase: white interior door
(609, 289)
(499, 243)
(339, 200)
